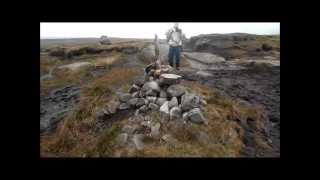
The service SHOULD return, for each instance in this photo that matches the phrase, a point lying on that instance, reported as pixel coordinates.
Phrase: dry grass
(75, 137)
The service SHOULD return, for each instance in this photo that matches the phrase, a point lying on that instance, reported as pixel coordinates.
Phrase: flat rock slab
(206, 58)
(169, 79)
(76, 66)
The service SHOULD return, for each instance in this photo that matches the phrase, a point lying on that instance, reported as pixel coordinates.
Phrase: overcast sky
(147, 30)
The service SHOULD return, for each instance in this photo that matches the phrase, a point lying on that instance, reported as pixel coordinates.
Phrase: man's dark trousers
(174, 52)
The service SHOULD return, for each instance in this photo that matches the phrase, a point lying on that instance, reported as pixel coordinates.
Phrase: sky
(148, 30)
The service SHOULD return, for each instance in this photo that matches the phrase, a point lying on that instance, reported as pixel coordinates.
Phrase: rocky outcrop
(233, 45)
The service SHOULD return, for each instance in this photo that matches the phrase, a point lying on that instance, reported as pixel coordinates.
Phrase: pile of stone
(159, 91)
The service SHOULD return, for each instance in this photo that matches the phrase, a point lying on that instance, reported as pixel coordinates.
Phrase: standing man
(174, 38)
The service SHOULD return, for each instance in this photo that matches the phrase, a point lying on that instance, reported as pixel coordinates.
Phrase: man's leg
(177, 57)
(170, 56)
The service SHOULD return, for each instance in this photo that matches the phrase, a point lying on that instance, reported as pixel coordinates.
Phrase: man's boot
(177, 67)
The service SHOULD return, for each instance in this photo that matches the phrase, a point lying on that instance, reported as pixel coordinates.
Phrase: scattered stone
(151, 85)
(163, 94)
(176, 90)
(139, 82)
(155, 130)
(124, 106)
(122, 139)
(203, 74)
(146, 124)
(202, 137)
(189, 101)
(196, 116)
(134, 88)
(169, 139)
(112, 107)
(175, 113)
(140, 102)
(133, 101)
(138, 141)
(160, 101)
(151, 99)
(164, 111)
(150, 93)
(153, 106)
(130, 129)
(185, 116)
(143, 109)
(135, 94)
(173, 102)
(124, 97)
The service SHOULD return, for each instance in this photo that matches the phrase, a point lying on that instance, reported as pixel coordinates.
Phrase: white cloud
(147, 30)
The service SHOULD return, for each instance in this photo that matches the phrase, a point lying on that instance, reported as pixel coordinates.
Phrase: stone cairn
(159, 91)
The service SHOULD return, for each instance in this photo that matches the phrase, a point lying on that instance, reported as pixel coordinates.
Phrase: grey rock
(153, 106)
(185, 116)
(124, 97)
(160, 101)
(196, 116)
(140, 102)
(133, 101)
(139, 82)
(176, 90)
(135, 94)
(175, 113)
(122, 139)
(143, 109)
(163, 94)
(124, 106)
(112, 107)
(202, 137)
(130, 129)
(151, 85)
(155, 130)
(203, 74)
(151, 99)
(164, 111)
(138, 141)
(151, 93)
(189, 101)
(134, 88)
(169, 79)
(146, 123)
(168, 138)
(173, 102)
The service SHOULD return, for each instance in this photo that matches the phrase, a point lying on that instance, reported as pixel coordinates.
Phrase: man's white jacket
(174, 37)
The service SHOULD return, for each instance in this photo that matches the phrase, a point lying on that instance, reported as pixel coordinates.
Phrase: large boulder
(189, 101)
(105, 40)
(176, 90)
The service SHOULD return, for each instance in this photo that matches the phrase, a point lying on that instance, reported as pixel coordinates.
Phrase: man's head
(176, 25)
